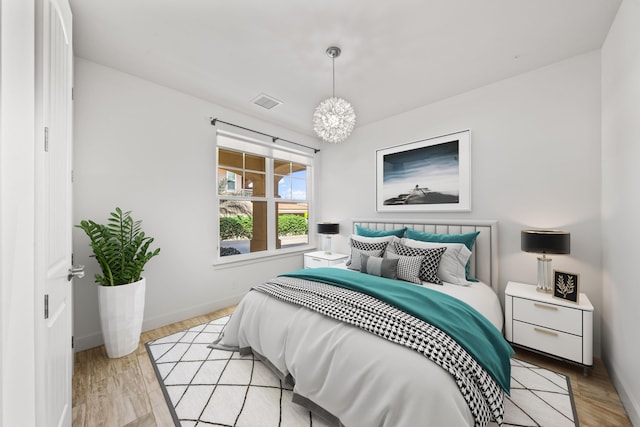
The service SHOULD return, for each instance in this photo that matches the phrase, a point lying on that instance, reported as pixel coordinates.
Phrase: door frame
(17, 214)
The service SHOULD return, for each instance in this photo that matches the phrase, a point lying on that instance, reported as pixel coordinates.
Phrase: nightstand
(548, 325)
(323, 259)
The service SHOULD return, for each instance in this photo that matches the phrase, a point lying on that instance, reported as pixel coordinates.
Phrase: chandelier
(334, 118)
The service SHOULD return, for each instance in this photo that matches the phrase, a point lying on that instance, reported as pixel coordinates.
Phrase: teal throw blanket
(459, 320)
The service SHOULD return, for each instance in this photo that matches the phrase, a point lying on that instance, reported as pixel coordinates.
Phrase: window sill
(262, 257)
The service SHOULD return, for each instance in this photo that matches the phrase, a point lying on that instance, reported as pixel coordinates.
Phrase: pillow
(368, 232)
(452, 268)
(370, 243)
(408, 267)
(356, 257)
(358, 248)
(378, 266)
(429, 268)
(467, 239)
(390, 240)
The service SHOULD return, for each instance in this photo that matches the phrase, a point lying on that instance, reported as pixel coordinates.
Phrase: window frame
(270, 151)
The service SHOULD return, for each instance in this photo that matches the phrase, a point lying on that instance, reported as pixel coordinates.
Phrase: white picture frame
(430, 175)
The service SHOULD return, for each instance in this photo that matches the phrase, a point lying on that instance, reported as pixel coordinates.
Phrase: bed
(357, 361)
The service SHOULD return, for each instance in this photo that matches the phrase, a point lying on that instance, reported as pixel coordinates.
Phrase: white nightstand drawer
(558, 343)
(313, 262)
(323, 259)
(548, 315)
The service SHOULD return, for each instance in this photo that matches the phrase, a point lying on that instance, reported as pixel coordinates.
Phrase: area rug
(208, 387)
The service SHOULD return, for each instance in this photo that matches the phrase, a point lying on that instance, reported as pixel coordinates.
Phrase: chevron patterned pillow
(430, 263)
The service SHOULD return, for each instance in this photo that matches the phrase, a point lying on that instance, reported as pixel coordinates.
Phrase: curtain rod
(273, 138)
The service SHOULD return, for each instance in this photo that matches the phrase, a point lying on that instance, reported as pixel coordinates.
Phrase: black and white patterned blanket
(483, 395)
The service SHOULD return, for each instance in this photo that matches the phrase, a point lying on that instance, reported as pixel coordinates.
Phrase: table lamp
(327, 229)
(545, 242)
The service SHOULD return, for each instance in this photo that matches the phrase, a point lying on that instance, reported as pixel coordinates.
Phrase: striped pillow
(378, 266)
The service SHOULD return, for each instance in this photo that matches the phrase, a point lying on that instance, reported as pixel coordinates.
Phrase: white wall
(150, 149)
(620, 203)
(17, 219)
(535, 154)
(536, 162)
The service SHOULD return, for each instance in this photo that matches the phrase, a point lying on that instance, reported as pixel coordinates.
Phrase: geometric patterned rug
(209, 387)
(539, 397)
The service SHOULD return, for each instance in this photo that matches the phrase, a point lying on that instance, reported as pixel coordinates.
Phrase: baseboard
(95, 339)
(88, 341)
(631, 406)
(169, 318)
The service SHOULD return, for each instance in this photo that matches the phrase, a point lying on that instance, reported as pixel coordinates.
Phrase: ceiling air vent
(266, 101)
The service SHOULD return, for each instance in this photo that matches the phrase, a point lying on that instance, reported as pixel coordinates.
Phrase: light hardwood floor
(125, 392)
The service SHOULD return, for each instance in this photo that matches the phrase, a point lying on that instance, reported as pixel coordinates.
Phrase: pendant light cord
(333, 66)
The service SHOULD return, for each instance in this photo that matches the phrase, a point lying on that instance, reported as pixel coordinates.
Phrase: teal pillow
(467, 239)
(368, 232)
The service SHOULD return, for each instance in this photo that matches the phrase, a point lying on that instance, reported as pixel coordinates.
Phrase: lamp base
(327, 244)
(544, 275)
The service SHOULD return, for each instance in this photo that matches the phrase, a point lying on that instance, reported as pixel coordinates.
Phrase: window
(231, 181)
(262, 197)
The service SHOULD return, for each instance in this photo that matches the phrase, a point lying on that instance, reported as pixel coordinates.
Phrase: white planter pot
(121, 314)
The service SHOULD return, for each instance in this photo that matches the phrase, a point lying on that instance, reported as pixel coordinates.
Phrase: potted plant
(122, 250)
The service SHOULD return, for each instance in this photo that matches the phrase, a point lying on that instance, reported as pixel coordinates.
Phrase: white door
(54, 359)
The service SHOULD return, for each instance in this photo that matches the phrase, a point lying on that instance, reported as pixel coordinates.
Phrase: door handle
(76, 271)
(544, 331)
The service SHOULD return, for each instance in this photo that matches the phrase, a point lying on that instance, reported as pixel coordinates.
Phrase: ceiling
(396, 55)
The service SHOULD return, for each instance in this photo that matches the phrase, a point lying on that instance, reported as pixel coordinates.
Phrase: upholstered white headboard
(484, 257)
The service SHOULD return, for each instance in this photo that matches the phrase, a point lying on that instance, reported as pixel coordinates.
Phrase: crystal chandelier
(334, 118)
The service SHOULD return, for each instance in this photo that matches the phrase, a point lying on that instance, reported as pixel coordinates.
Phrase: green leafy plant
(120, 247)
(232, 227)
(292, 225)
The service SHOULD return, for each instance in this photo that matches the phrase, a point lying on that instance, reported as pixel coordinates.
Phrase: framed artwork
(566, 286)
(430, 175)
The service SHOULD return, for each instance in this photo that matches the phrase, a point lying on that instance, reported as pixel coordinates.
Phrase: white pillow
(375, 239)
(453, 262)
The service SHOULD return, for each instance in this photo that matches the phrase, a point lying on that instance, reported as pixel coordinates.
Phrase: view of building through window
(261, 198)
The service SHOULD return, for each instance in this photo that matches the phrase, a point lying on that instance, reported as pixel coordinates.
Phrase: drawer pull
(548, 307)
(544, 331)
(316, 259)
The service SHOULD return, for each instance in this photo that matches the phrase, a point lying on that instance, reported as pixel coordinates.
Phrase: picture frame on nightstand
(566, 286)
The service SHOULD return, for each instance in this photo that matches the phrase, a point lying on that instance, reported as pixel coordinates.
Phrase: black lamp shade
(545, 241)
(328, 228)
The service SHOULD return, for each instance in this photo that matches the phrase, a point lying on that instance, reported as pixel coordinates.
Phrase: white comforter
(362, 379)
